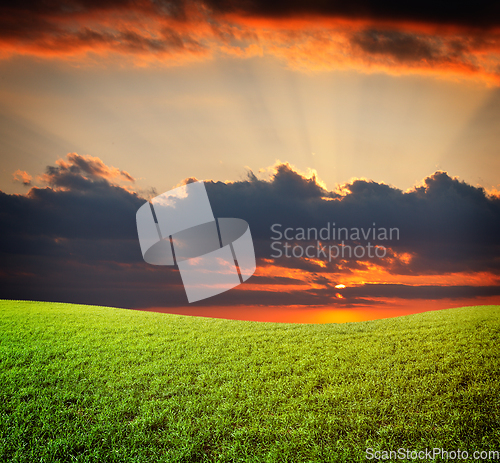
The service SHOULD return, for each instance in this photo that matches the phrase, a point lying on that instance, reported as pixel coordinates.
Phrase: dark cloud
(394, 37)
(76, 240)
(482, 13)
(59, 28)
(402, 47)
(419, 292)
(445, 224)
(27, 19)
(80, 169)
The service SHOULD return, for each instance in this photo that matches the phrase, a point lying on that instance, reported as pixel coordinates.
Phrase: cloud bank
(75, 240)
(393, 37)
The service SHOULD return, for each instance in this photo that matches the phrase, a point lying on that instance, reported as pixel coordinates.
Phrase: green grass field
(95, 384)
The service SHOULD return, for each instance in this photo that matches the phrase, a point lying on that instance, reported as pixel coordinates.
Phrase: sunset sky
(297, 113)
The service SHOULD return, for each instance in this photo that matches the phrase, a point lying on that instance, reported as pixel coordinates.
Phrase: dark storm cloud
(76, 241)
(91, 210)
(481, 14)
(402, 47)
(369, 291)
(445, 224)
(31, 15)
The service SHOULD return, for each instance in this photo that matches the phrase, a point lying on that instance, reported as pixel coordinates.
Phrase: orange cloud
(94, 166)
(23, 177)
(319, 38)
(77, 168)
(371, 274)
(380, 48)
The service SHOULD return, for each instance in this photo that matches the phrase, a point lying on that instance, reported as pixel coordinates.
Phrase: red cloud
(313, 38)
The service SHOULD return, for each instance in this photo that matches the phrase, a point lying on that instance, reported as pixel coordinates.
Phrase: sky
(298, 113)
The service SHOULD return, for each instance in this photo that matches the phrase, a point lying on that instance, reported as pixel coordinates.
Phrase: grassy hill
(95, 384)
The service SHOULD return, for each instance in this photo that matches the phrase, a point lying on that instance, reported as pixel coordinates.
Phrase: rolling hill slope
(95, 384)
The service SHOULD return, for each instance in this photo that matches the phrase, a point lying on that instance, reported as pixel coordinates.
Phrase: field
(95, 384)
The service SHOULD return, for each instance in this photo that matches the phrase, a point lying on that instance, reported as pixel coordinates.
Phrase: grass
(95, 384)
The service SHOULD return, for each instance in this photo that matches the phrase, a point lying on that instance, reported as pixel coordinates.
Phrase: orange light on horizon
(385, 308)
(373, 274)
